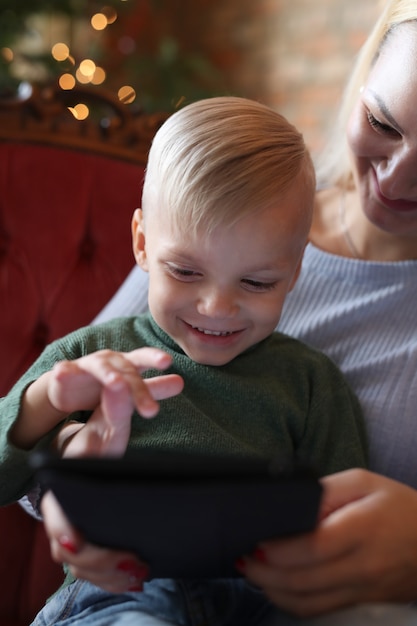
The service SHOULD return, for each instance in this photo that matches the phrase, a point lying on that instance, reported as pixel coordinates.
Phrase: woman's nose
(397, 175)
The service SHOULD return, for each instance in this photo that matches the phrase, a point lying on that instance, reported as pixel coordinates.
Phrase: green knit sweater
(279, 399)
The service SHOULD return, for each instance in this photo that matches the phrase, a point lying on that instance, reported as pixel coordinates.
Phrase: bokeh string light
(87, 71)
(136, 42)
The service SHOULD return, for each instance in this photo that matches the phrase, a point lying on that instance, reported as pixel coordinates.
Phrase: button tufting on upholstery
(4, 248)
(87, 247)
(41, 335)
(4, 244)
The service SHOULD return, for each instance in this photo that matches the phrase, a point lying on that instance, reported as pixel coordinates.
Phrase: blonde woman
(356, 299)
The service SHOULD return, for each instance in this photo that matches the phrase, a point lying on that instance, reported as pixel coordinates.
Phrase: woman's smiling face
(382, 135)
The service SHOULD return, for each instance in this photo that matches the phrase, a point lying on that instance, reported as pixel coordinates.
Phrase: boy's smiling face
(217, 294)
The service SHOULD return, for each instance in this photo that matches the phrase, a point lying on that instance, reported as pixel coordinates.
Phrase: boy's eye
(257, 285)
(181, 272)
(379, 126)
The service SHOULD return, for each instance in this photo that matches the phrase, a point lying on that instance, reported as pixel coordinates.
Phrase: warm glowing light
(110, 13)
(60, 51)
(80, 111)
(99, 76)
(126, 94)
(7, 54)
(87, 67)
(99, 21)
(82, 78)
(66, 81)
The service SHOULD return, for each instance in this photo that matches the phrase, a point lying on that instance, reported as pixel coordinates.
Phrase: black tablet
(185, 516)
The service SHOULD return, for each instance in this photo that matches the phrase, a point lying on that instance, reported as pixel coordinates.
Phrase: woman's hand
(363, 550)
(116, 571)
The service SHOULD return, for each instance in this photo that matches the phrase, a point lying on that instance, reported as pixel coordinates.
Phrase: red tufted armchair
(68, 189)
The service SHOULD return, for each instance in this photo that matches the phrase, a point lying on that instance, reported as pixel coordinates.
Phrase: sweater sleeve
(15, 474)
(16, 477)
(334, 437)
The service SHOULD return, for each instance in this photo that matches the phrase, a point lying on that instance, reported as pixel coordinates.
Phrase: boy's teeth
(218, 333)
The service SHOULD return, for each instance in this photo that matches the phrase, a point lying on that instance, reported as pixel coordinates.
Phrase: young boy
(226, 211)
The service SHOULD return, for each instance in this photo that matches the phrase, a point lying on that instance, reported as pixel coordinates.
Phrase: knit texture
(363, 315)
(279, 399)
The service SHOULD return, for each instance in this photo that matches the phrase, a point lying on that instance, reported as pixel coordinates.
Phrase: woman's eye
(379, 126)
(257, 285)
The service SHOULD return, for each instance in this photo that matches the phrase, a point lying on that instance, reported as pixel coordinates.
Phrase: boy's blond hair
(216, 160)
(334, 165)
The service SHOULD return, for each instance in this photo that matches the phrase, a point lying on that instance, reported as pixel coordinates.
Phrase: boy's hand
(111, 382)
(105, 382)
(80, 384)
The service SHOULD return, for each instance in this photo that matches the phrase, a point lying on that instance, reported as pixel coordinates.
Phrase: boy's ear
(138, 239)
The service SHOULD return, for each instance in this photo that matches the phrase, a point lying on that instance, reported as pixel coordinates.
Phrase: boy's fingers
(165, 386)
(146, 358)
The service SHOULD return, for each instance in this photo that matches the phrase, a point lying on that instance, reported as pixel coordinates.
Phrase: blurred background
(293, 55)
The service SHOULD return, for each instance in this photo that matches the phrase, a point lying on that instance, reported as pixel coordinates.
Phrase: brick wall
(291, 54)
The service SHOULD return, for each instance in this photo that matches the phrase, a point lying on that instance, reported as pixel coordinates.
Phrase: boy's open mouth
(216, 333)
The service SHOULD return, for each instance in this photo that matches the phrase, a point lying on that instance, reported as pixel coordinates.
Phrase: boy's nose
(217, 303)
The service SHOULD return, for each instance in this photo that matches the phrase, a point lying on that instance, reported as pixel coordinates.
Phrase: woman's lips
(399, 205)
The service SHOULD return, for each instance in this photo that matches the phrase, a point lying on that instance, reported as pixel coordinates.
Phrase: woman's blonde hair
(220, 158)
(333, 166)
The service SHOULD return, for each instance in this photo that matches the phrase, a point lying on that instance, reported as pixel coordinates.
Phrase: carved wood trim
(112, 128)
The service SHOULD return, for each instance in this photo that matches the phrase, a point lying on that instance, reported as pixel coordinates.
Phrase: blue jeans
(168, 602)
(192, 603)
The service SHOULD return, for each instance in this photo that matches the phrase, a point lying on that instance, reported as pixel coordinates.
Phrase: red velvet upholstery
(65, 247)
(65, 244)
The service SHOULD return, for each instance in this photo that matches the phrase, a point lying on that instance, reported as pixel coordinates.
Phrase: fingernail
(134, 569)
(259, 555)
(137, 573)
(149, 408)
(66, 543)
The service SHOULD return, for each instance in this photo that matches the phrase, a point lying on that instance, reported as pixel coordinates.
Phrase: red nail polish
(259, 555)
(67, 544)
(133, 568)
